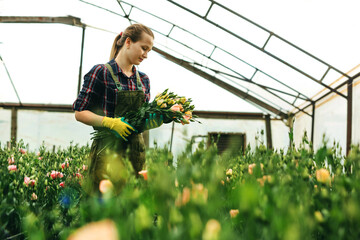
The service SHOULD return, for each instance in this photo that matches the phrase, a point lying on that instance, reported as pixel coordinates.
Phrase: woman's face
(138, 51)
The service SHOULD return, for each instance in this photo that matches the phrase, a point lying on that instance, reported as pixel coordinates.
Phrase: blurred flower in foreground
(212, 230)
(23, 151)
(229, 172)
(62, 184)
(323, 176)
(234, 212)
(264, 179)
(105, 185)
(105, 229)
(184, 198)
(144, 174)
(143, 220)
(318, 216)
(252, 166)
(199, 193)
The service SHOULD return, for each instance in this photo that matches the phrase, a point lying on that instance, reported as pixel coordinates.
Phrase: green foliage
(256, 194)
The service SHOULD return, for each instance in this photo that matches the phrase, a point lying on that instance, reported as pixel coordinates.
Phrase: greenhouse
(264, 144)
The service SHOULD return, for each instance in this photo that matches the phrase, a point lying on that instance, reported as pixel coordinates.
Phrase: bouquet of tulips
(168, 104)
(172, 107)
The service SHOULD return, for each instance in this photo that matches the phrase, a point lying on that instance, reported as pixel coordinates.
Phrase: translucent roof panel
(41, 66)
(253, 41)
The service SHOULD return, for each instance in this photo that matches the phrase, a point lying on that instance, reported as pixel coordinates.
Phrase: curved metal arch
(263, 48)
(240, 76)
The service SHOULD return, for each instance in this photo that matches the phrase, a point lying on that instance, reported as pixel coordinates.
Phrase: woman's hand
(119, 126)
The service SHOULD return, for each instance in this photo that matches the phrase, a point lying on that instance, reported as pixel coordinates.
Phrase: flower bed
(258, 194)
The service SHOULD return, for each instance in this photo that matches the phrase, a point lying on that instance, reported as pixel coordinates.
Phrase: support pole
(172, 135)
(268, 131)
(146, 136)
(81, 59)
(312, 123)
(349, 115)
(13, 124)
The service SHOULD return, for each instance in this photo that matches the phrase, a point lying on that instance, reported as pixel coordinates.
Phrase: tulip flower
(62, 184)
(252, 166)
(12, 168)
(323, 176)
(65, 164)
(28, 181)
(105, 185)
(53, 174)
(34, 197)
(234, 212)
(104, 229)
(212, 230)
(177, 108)
(11, 160)
(144, 174)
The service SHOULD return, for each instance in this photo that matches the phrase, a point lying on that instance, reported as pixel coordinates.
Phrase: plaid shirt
(99, 89)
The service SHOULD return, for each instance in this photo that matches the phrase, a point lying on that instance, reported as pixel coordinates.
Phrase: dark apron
(108, 153)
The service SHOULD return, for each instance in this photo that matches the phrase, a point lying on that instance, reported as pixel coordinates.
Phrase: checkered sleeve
(146, 86)
(91, 89)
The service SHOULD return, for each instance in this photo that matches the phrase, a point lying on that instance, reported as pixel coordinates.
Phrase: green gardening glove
(118, 126)
(154, 121)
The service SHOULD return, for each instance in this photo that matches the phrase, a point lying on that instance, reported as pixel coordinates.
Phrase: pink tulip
(62, 184)
(176, 108)
(65, 164)
(26, 180)
(84, 167)
(12, 168)
(32, 182)
(186, 120)
(23, 151)
(53, 174)
(34, 197)
(60, 175)
(78, 175)
(11, 160)
(144, 174)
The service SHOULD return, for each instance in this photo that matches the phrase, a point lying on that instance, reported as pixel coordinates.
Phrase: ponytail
(134, 32)
(116, 46)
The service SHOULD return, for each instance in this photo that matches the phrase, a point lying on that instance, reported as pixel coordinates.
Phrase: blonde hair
(133, 32)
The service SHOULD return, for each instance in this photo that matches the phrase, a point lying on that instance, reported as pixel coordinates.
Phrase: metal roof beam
(69, 20)
(262, 49)
(68, 108)
(222, 84)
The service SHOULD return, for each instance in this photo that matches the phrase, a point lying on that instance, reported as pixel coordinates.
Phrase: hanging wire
(12, 83)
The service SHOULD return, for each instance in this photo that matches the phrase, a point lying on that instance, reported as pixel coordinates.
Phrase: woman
(108, 92)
